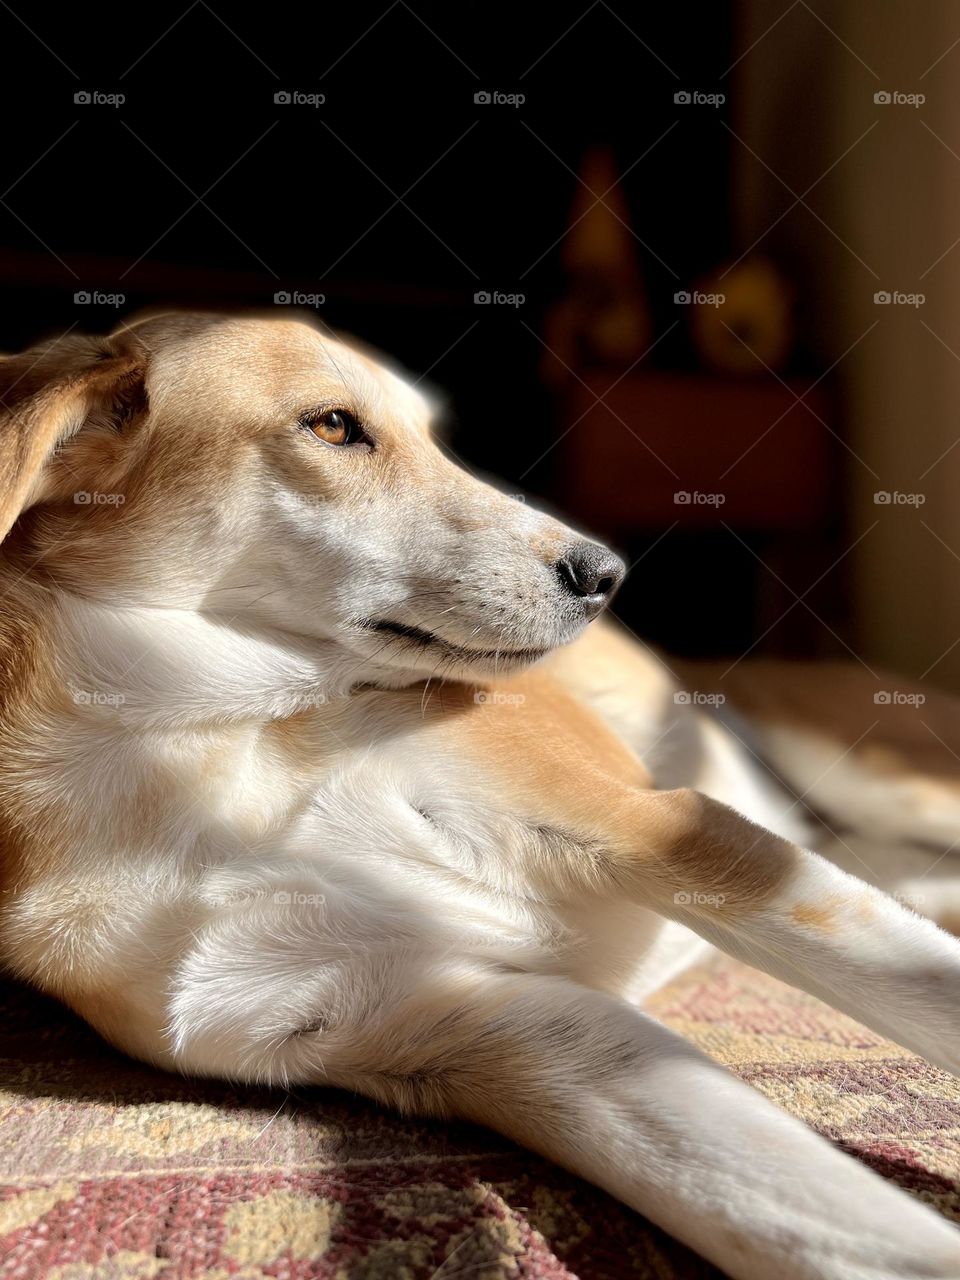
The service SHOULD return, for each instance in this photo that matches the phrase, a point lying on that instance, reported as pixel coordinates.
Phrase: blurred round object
(741, 321)
(601, 317)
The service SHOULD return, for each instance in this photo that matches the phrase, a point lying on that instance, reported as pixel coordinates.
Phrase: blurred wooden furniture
(630, 451)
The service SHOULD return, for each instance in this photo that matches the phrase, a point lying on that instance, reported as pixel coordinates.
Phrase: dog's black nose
(591, 571)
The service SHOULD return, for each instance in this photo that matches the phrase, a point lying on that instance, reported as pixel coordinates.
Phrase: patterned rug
(110, 1169)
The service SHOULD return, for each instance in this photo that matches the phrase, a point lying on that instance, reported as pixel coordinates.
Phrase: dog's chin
(417, 651)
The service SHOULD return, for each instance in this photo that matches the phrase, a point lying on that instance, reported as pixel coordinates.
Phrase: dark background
(398, 199)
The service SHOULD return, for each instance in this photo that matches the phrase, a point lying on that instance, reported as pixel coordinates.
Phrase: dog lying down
(312, 771)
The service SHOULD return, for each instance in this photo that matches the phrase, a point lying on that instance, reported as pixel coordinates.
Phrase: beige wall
(800, 99)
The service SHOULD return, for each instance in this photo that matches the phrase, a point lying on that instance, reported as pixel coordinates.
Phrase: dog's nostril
(589, 569)
(565, 576)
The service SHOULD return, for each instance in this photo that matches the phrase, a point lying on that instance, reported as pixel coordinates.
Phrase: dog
(314, 771)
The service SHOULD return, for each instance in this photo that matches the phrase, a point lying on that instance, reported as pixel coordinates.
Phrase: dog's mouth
(415, 636)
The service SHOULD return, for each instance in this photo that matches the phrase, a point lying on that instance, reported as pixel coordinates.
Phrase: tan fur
(31, 831)
(817, 915)
(44, 398)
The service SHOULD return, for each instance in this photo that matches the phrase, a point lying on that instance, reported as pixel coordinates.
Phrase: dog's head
(256, 470)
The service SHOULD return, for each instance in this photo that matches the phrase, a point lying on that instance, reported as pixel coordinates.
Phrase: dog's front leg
(756, 895)
(791, 913)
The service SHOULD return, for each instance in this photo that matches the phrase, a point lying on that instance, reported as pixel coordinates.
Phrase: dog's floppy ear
(46, 395)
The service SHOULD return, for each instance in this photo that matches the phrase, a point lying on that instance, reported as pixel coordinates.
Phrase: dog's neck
(202, 717)
(165, 669)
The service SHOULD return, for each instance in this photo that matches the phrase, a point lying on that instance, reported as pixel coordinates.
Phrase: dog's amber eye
(335, 426)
